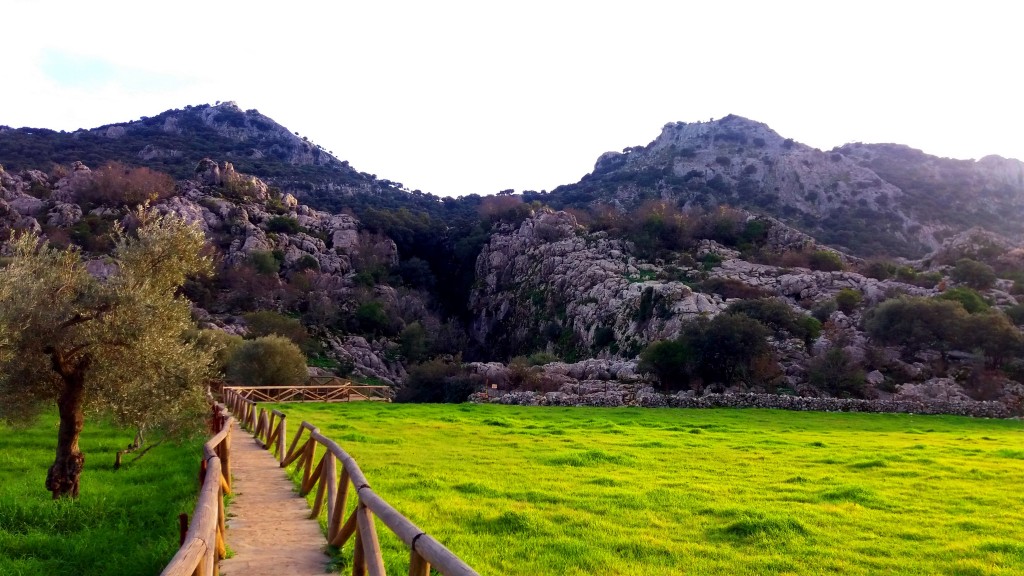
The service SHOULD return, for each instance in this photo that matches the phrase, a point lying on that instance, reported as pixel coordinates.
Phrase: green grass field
(125, 522)
(537, 491)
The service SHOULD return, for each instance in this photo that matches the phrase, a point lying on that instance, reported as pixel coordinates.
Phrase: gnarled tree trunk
(62, 478)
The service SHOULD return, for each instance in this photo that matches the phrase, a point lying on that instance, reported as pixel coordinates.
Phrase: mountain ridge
(837, 196)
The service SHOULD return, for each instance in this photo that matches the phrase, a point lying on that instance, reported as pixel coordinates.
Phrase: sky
(456, 98)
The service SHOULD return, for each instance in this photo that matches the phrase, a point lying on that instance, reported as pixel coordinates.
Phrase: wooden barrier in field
(270, 429)
(314, 392)
(203, 545)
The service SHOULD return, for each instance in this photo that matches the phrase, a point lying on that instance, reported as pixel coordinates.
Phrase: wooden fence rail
(203, 545)
(313, 393)
(270, 429)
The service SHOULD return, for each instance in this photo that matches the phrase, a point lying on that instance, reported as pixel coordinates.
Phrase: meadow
(125, 521)
(538, 491)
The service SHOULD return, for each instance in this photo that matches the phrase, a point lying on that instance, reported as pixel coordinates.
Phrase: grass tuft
(588, 458)
(760, 526)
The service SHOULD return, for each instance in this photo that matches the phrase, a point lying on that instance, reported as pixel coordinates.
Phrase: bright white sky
(475, 97)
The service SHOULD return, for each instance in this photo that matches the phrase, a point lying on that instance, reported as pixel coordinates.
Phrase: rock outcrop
(550, 280)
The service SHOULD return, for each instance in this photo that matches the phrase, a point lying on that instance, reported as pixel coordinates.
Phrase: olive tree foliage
(112, 344)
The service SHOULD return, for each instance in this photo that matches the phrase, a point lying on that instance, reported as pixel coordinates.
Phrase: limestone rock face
(549, 279)
(367, 358)
(801, 284)
(63, 214)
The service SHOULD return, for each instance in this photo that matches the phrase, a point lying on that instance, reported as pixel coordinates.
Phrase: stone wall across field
(647, 397)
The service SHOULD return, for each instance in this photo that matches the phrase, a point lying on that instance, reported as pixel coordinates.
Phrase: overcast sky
(475, 97)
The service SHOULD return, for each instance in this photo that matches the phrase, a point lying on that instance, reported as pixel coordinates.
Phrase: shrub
(880, 270)
(265, 262)
(1016, 313)
(847, 300)
(268, 361)
(541, 358)
(836, 373)
(992, 334)
(371, 318)
(436, 381)
(268, 323)
(414, 342)
(116, 184)
(605, 335)
(732, 288)
(975, 274)
(823, 310)
(968, 298)
(224, 343)
(669, 361)
(725, 347)
(307, 262)
(916, 323)
(779, 317)
(825, 260)
(284, 225)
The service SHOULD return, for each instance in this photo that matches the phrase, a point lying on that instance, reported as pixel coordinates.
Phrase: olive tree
(112, 343)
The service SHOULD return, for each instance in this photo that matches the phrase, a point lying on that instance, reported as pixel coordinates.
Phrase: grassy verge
(125, 522)
(519, 490)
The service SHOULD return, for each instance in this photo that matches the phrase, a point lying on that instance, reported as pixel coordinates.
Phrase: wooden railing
(270, 428)
(313, 393)
(203, 545)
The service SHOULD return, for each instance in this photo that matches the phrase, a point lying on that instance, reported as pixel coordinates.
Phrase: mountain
(176, 140)
(864, 199)
(679, 266)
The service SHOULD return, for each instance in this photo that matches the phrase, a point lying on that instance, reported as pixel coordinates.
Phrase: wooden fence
(203, 545)
(270, 428)
(312, 393)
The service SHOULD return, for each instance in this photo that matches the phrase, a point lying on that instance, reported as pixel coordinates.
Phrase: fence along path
(270, 429)
(203, 545)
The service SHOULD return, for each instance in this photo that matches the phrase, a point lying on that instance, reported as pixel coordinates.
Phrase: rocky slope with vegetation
(865, 199)
(720, 258)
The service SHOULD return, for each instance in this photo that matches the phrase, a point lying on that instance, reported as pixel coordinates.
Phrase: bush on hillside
(977, 275)
(968, 298)
(268, 361)
(836, 373)
(438, 381)
(116, 185)
(847, 300)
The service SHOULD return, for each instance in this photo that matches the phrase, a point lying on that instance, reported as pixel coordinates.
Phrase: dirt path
(268, 525)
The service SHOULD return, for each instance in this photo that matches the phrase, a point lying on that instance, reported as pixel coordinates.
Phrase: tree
(780, 318)
(993, 334)
(268, 361)
(726, 346)
(836, 373)
(414, 342)
(114, 344)
(916, 323)
(669, 361)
